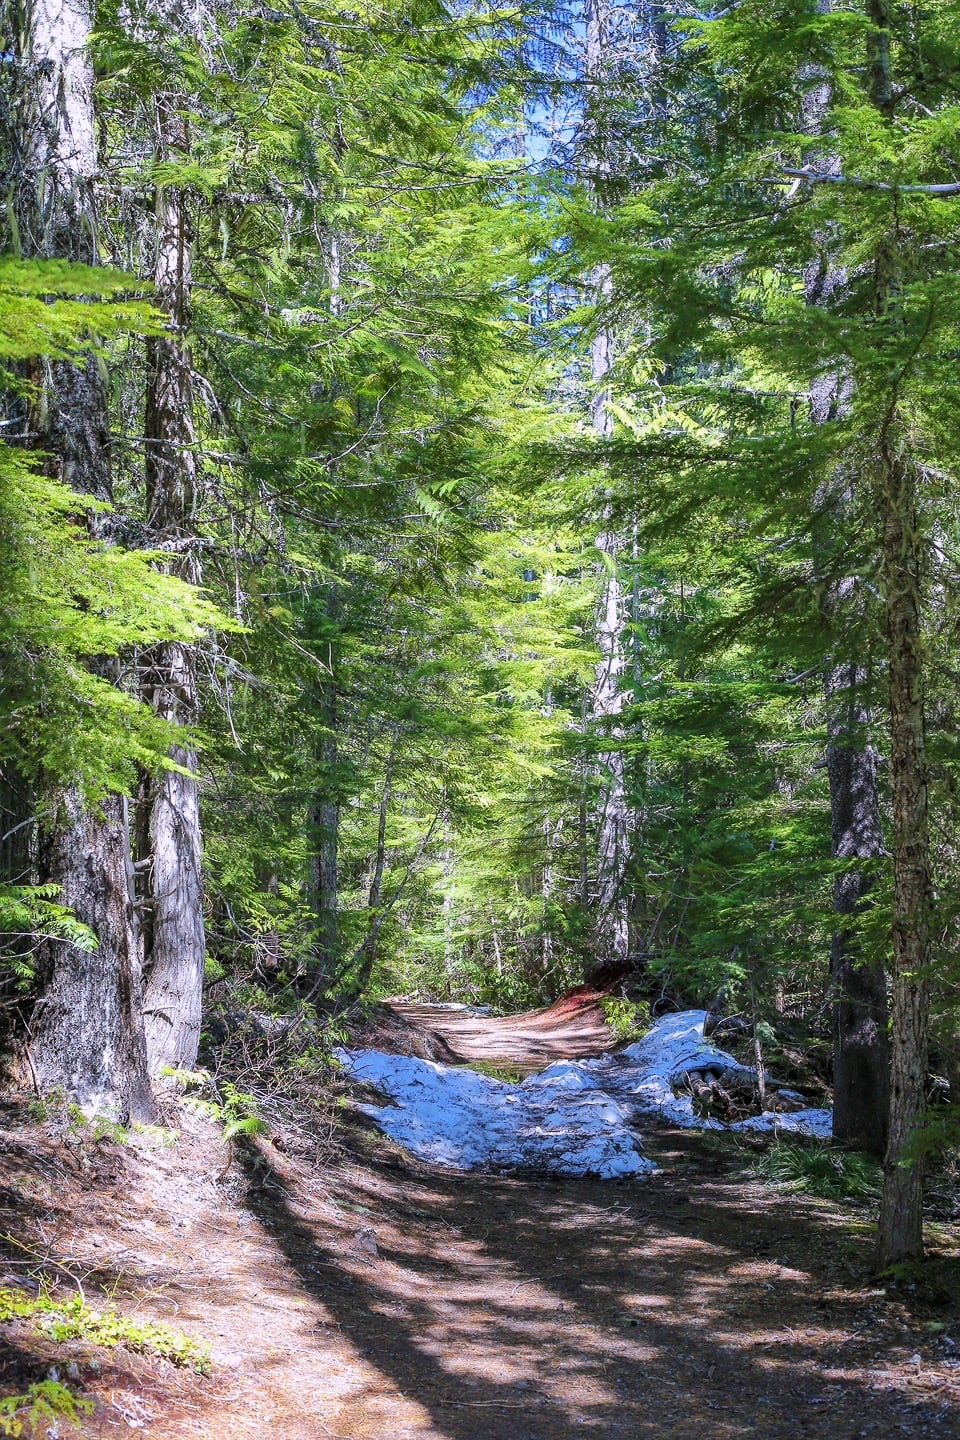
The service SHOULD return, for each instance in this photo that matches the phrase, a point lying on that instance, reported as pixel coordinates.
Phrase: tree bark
(87, 1031)
(324, 825)
(611, 929)
(900, 1234)
(380, 858)
(901, 1210)
(860, 1048)
(175, 963)
(859, 984)
(367, 954)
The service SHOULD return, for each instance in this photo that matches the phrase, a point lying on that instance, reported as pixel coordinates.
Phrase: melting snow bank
(563, 1124)
(574, 1118)
(649, 1070)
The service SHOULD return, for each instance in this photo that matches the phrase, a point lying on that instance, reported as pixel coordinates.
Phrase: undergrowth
(815, 1168)
(628, 1019)
(73, 1319)
(272, 1072)
(44, 1402)
(493, 1071)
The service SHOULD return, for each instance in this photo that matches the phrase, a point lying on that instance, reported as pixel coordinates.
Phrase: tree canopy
(477, 497)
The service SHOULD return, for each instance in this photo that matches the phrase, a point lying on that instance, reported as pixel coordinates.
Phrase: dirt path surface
(572, 1027)
(381, 1300)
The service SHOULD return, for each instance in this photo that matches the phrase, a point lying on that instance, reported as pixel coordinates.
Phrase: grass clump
(816, 1168)
(74, 1319)
(493, 1071)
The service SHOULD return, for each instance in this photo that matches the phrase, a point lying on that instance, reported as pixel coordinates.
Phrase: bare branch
(814, 177)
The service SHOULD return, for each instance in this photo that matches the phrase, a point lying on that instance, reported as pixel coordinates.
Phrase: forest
(478, 526)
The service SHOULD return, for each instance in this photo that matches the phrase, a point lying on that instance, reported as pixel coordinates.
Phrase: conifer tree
(177, 948)
(87, 1033)
(718, 268)
(615, 824)
(860, 1045)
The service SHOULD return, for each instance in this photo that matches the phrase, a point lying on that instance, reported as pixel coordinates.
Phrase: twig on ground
(487, 1404)
(41, 1260)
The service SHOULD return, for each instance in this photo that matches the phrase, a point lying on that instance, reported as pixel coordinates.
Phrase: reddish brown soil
(572, 1026)
(372, 1298)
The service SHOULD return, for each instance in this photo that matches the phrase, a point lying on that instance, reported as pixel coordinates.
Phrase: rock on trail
(576, 1117)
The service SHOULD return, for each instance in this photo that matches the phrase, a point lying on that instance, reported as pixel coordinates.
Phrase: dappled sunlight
(499, 1309)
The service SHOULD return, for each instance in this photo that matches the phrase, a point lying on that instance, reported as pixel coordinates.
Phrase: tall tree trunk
(448, 908)
(861, 1047)
(551, 833)
(87, 1036)
(175, 964)
(901, 1209)
(611, 925)
(366, 956)
(900, 1235)
(859, 984)
(324, 825)
(380, 857)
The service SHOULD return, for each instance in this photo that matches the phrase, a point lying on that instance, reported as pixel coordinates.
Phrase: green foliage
(815, 1168)
(629, 1019)
(378, 379)
(44, 1401)
(233, 1109)
(29, 912)
(65, 594)
(748, 514)
(61, 310)
(74, 1319)
(400, 492)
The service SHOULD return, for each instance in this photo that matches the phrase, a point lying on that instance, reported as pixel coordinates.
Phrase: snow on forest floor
(576, 1117)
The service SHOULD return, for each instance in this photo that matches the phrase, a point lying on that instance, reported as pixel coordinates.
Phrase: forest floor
(378, 1298)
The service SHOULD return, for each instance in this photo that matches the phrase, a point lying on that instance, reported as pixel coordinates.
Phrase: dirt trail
(378, 1299)
(572, 1027)
(389, 1302)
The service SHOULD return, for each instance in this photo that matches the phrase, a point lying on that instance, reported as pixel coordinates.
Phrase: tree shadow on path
(504, 1309)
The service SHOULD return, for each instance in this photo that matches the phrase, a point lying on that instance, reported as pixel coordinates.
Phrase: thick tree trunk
(175, 963)
(611, 926)
(901, 1210)
(859, 984)
(87, 1033)
(86, 1037)
(174, 989)
(900, 1235)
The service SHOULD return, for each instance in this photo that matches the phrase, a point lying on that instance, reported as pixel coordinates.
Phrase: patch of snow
(458, 1117)
(573, 1118)
(649, 1070)
(800, 1122)
(567, 1074)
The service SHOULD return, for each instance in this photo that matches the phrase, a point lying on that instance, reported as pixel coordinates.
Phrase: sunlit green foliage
(73, 1319)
